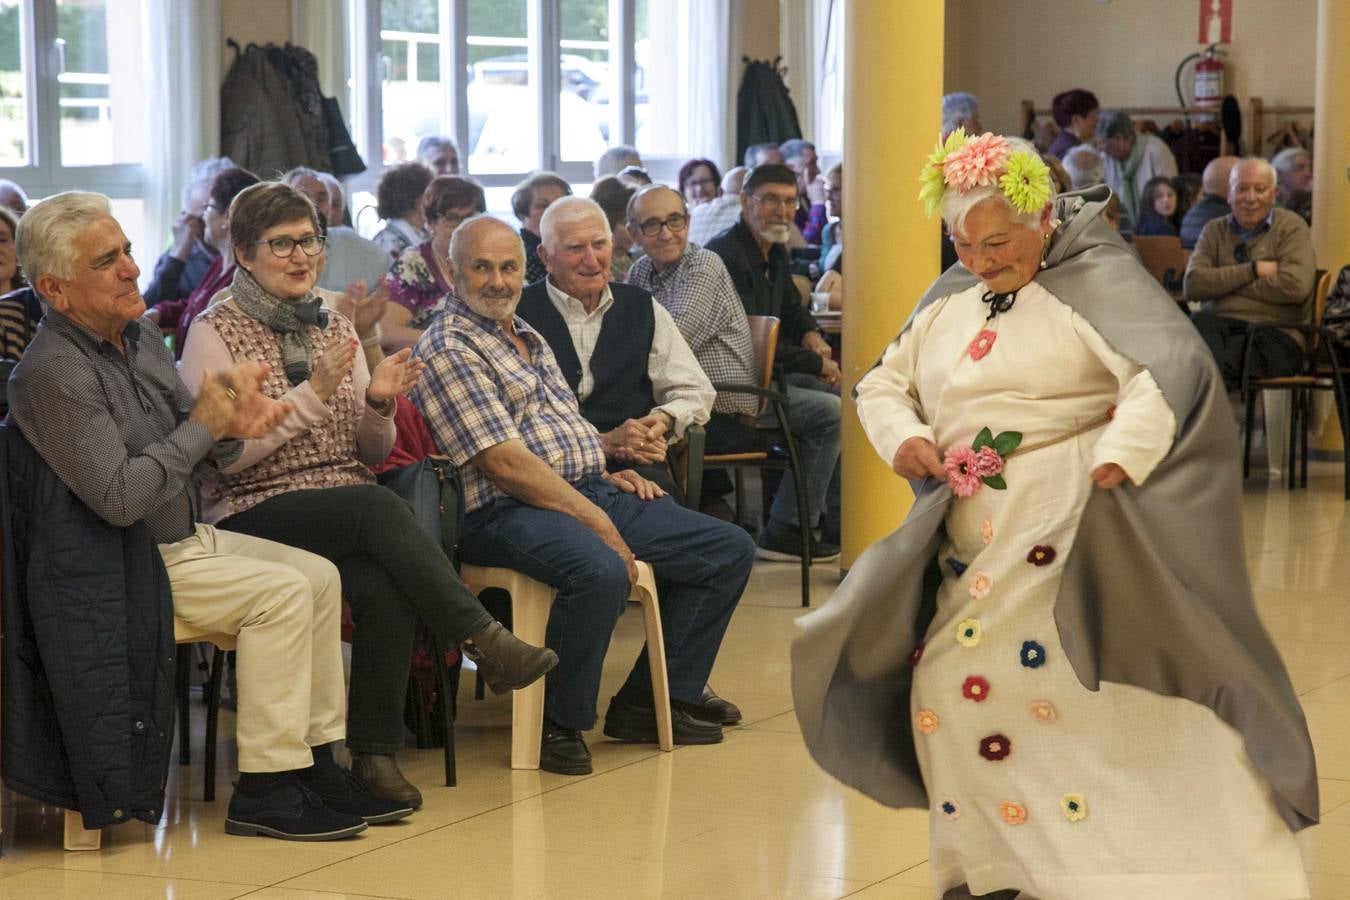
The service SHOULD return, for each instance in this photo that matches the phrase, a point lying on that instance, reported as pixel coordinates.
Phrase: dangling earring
(1045, 252)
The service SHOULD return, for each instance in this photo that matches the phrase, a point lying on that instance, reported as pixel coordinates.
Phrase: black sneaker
(346, 792)
(563, 751)
(637, 724)
(779, 544)
(290, 811)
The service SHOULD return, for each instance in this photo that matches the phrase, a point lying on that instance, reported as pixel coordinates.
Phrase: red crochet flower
(983, 343)
(995, 747)
(975, 688)
(1041, 555)
(916, 654)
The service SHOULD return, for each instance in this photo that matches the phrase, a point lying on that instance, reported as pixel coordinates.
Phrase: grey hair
(613, 160)
(433, 142)
(462, 233)
(957, 106)
(45, 243)
(1257, 161)
(204, 172)
(1084, 166)
(568, 211)
(956, 205)
(649, 189)
(1115, 123)
(794, 148)
(1284, 160)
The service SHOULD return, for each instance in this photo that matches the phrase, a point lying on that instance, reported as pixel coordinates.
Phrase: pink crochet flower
(983, 343)
(961, 475)
(988, 463)
(1043, 710)
(980, 585)
(986, 531)
(976, 163)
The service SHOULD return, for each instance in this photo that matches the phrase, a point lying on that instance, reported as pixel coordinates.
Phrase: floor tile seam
(888, 878)
(251, 887)
(268, 887)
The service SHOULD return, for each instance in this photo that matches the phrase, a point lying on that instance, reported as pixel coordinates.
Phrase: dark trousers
(392, 575)
(1273, 352)
(729, 434)
(703, 564)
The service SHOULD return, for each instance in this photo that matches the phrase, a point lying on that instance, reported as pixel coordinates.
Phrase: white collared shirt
(679, 386)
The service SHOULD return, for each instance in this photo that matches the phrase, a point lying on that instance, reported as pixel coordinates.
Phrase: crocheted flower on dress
(1012, 813)
(995, 747)
(968, 632)
(983, 343)
(1033, 655)
(916, 654)
(950, 811)
(975, 688)
(986, 531)
(980, 585)
(1041, 555)
(1074, 806)
(1043, 711)
(926, 721)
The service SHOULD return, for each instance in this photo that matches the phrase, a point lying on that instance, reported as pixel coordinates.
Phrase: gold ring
(229, 392)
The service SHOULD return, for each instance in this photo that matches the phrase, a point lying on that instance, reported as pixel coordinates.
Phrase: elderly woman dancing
(306, 483)
(1058, 654)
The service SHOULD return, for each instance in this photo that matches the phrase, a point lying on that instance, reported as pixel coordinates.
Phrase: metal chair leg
(447, 711)
(183, 690)
(212, 720)
(1248, 426)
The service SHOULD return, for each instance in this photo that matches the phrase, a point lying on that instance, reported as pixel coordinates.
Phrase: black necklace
(998, 303)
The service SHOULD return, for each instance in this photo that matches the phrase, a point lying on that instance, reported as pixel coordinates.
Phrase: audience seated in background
(1075, 112)
(620, 352)
(754, 253)
(699, 182)
(800, 157)
(1158, 208)
(439, 154)
(634, 177)
(1213, 204)
(178, 314)
(13, 197)
(20, 309)
(305, 483)
(529, 200)
(420, 280)
(1254, 265)
(1059, 176)
(615, 160)
(1084, 165)
(1294, 180)
(398, 201)
(762, 154)
(613, 195)
(960, 110)
(1337, 314)
(1131, 160)
(540, 501)
(832, 235)
(98, 397)
(708, 220)
(1189, 186)
(348, 257)
(181, 268)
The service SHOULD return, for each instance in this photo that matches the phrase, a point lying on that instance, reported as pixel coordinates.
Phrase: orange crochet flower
(1043, 711)
(1012, 813)
(926, 721)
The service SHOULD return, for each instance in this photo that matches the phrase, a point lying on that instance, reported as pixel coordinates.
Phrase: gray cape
(1154, 592)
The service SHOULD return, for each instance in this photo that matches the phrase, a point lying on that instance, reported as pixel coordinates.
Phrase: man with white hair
(98, 397)
(1293, 180)
(1254, 265)
(439, 153)
(1084, 165)
(540, 501)
(615, 160)
(183, 266)
(960, 110)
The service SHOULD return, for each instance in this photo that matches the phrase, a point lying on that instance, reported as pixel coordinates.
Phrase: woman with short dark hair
(398, 201)
(699, 182)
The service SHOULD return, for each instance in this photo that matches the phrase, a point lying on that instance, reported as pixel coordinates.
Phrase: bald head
(1215, 178)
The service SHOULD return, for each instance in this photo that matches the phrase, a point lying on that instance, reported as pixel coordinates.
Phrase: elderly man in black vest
(635, 377)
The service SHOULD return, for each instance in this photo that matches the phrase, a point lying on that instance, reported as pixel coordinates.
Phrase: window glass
(587, 81)
(13, 85)
(100, 81)
(414, 94)
(661, 80)
(503, 115)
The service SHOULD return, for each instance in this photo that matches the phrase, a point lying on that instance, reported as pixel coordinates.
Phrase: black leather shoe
(380, 771)
(713, 708)
(288, 810)
(339, 789)
(563, 752)
(505, 661)
(637, 724)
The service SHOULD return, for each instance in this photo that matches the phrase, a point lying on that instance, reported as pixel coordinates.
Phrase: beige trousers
(285, 605)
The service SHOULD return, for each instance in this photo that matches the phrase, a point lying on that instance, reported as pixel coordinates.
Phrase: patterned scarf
(286, 317)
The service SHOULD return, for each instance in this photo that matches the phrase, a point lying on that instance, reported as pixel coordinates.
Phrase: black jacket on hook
(764, 111)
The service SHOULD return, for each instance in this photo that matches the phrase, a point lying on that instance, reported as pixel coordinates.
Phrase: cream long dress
(1035, 782)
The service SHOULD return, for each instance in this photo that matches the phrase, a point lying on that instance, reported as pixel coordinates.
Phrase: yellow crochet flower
(932, 179)
(1026, 181)
(1074, 806)
(968, 632)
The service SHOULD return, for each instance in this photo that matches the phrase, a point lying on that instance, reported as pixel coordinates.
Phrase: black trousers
(1273, 352)
(730, 434)
(392, 575)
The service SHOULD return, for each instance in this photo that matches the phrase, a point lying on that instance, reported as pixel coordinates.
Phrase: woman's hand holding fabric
(333, 366)
(395, 376)
(918, 458)
(1108, 475)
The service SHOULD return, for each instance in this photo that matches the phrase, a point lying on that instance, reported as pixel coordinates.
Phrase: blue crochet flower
(1033, 655)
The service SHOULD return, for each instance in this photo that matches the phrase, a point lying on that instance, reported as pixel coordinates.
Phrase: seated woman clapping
(306, 483)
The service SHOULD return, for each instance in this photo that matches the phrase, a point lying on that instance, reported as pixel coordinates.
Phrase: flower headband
(965, 163)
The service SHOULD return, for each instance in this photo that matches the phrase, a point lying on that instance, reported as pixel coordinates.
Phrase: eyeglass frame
(319, 241)
(776, 202)
(664, 223)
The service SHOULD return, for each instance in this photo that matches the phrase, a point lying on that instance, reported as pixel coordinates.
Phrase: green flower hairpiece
(932, 178)
(1026, 181)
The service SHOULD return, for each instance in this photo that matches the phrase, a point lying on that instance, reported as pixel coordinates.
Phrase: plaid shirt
(698, 293)
(477, 393)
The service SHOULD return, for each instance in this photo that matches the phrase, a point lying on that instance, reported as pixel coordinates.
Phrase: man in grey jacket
(1253, 265)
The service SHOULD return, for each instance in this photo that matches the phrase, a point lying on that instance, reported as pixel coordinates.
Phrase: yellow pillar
(1331, 156)
(892, 114)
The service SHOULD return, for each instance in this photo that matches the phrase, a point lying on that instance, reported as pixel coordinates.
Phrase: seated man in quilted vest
(540, 501)
(98, 397)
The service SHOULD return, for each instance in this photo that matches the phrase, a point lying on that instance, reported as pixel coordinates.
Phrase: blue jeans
(813, 416)
(702, 563)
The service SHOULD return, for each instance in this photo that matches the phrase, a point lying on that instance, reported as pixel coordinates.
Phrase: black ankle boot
(505, 662)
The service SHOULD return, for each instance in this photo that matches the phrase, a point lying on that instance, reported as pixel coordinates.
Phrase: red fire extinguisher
(1209, 78)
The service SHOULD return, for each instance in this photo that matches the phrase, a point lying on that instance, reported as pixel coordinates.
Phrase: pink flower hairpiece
(965, 163)
(976, 163)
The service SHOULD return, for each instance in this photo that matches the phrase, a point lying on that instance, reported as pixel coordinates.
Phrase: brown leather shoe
(716, 709)
(505, 662)
(380, 771)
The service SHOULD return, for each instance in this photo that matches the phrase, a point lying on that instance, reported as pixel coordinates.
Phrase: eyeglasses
(700, 182)
(775, 203)
(676, 222)
(283, 247)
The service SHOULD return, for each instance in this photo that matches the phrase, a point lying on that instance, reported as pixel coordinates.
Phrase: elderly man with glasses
(754, 251)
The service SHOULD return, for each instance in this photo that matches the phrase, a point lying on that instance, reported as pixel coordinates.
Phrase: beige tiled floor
(752, 817)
